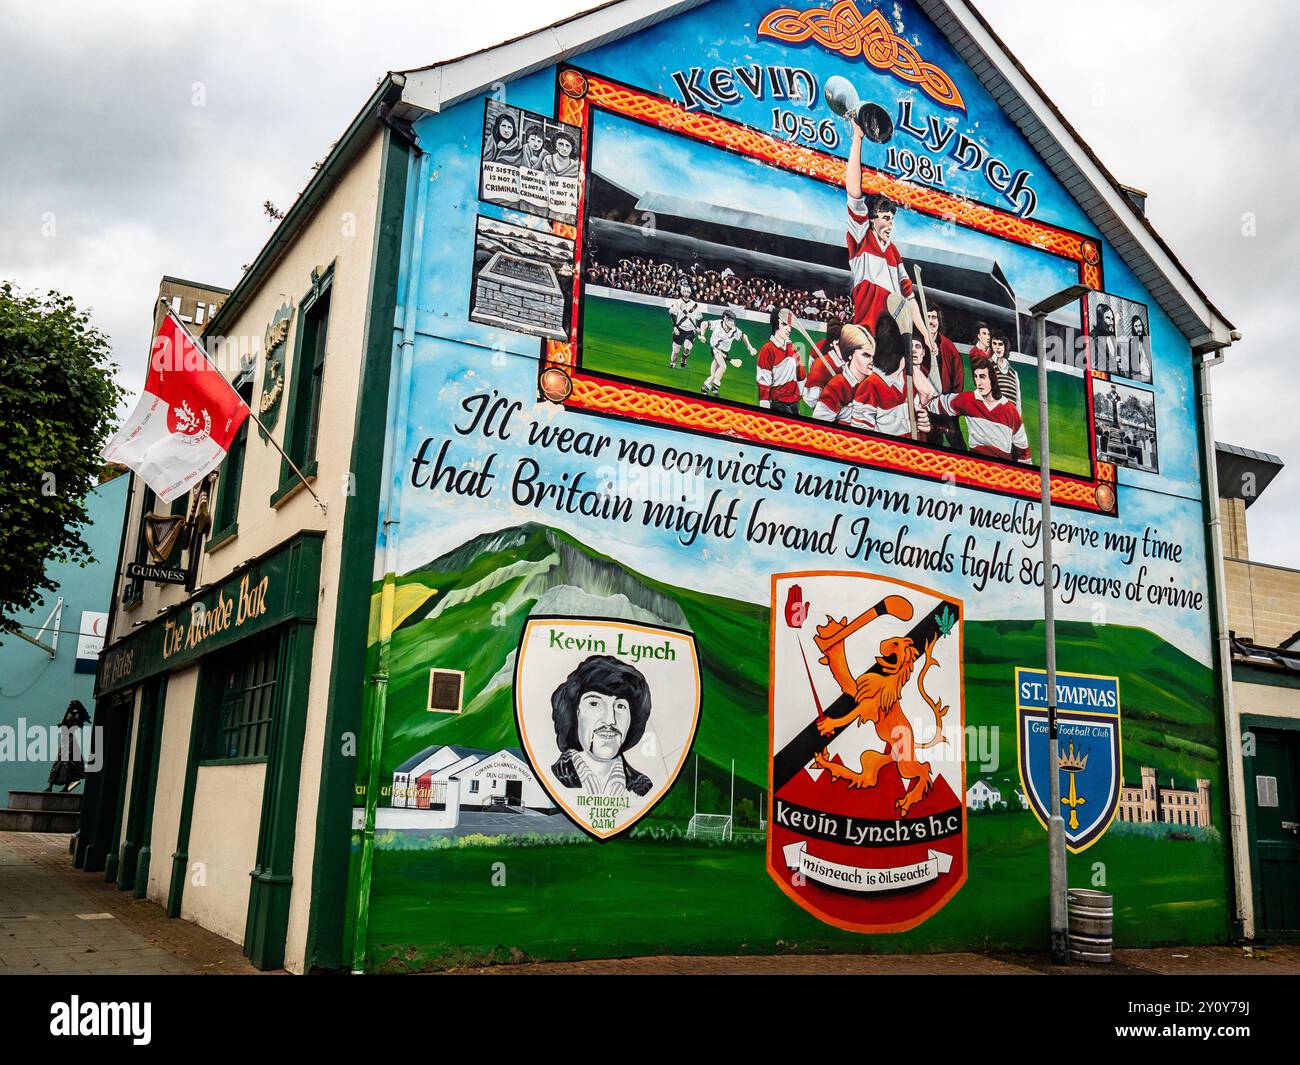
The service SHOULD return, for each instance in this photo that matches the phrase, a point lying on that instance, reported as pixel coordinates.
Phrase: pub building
(449, 300)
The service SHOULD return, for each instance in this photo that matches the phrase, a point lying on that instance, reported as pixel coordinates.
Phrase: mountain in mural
(465, 610)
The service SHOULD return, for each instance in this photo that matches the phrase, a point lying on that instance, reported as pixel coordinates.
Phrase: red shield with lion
(866, 819)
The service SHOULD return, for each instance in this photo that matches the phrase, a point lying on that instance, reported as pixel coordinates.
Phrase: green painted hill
(487, 588)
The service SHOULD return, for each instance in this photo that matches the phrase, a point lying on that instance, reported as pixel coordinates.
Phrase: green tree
(677, 803)
(58, 402)
(746, 814)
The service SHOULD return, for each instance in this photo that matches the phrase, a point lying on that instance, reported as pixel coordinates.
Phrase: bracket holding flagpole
(266, 433)
(51, 625)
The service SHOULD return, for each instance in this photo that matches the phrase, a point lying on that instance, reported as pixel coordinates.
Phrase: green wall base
(126, 866)
(268, 919)
(141, 887)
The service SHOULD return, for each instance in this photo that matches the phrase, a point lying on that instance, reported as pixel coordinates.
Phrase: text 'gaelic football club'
(607, 711)
(867, 828)
(1091, 755)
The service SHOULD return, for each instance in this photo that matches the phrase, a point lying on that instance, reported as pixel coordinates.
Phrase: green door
(1271, 787)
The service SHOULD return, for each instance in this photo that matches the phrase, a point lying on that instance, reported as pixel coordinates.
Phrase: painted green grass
(645, 896)
(1165, 696)
(435, 908)
(632, 340)
(1067, 413)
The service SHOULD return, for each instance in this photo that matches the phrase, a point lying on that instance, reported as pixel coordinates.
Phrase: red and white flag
(187, 416)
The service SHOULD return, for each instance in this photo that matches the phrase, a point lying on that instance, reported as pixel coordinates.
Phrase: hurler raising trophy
(877, 268)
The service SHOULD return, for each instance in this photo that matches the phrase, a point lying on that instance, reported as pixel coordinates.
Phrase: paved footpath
(1185, 961)
(56, 919)
(59, 920)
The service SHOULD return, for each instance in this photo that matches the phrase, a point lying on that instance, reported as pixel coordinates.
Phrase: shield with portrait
(607, 711)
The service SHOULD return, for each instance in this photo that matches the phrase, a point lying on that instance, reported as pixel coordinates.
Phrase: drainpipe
(1238, 844)
(375, 711)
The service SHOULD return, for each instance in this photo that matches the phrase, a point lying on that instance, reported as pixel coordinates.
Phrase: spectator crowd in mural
(721, 288)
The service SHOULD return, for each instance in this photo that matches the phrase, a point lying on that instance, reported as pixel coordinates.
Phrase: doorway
(1273, 805)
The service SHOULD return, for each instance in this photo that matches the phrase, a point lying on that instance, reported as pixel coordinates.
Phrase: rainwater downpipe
(375, 712)
(1237, 843)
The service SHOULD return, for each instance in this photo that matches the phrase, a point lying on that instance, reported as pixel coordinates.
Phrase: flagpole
(305, 483)
(266, 433)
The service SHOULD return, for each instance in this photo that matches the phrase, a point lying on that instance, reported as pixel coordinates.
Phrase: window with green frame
(241, 701)
(226, 518)
(307, 392)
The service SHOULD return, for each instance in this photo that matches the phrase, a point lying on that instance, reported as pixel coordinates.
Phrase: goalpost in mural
(711, 826)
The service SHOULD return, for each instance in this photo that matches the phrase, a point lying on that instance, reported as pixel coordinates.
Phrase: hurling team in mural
(721, 495)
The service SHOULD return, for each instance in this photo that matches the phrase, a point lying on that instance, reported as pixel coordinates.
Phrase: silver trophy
(842, 98)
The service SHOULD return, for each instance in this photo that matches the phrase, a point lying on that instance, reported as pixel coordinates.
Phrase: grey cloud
(1192, 101)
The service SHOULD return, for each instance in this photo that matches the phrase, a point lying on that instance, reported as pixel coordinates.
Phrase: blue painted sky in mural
(646, 160)
(725, 33)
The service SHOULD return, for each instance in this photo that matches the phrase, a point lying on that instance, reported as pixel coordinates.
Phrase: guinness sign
(146, 571)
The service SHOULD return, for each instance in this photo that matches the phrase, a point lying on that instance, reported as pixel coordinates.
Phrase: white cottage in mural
(446, 779)
(983, 796)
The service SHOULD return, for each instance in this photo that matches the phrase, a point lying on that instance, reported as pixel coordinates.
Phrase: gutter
(1238, 843)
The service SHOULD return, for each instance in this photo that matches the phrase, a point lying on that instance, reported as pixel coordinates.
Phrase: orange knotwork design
(903, 456)
(844, 29)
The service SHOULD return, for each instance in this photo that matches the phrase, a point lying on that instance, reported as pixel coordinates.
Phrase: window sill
(232, 761)
(221, 537)
(292, 485)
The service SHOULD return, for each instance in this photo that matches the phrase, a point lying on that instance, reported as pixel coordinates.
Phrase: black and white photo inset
(522, 279)
(530, 163)
(1124, 421)
(1120, 331)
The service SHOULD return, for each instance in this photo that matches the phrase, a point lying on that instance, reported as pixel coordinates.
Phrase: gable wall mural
(716, 612)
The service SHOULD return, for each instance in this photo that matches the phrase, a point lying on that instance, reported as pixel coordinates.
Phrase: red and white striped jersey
(882, 405)
(838, 401)
(877, 272)
(780, 374)
(827, 364)
(993, 426)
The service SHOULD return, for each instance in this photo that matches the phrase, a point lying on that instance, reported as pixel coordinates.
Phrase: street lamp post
(1055, 823)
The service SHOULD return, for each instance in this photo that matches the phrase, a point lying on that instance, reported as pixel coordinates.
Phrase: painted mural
(718, 490)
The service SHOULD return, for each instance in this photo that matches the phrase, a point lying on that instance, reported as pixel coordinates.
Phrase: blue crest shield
(1091, 755)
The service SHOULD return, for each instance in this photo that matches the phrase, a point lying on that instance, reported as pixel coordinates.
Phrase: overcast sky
(141, 139)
